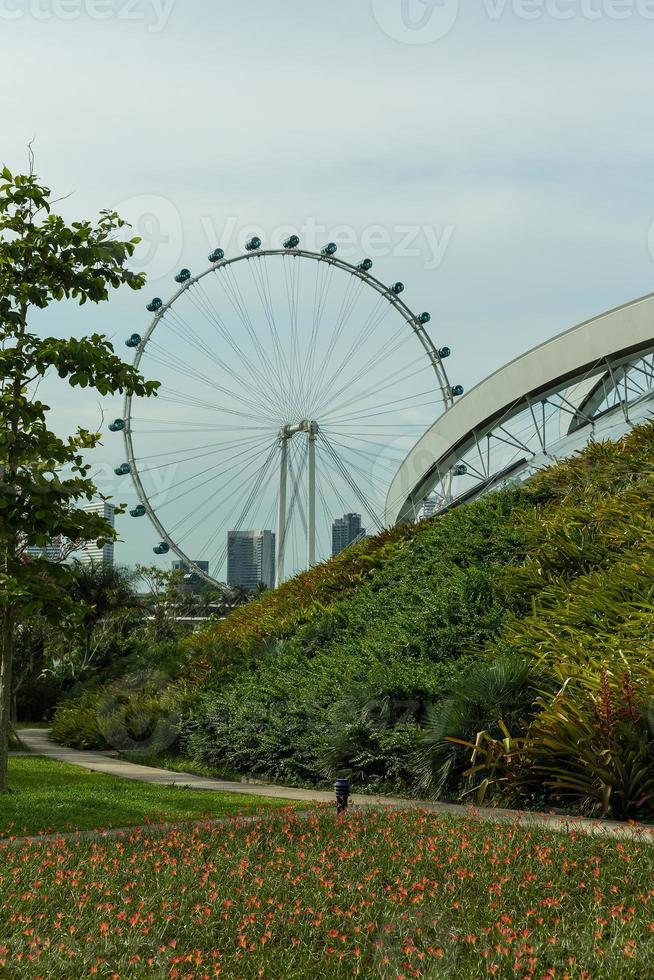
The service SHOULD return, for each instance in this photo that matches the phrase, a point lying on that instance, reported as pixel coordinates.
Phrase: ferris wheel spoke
(388, 408)
(190, 402)
(326, 512)
(350, 481)
(364, 470)
(177, 363)
(324, 276)
(235, 297)
(186, 426)
(259, 408)
(211, 445)
(215, 451)
(380, 354)
(256, 481)
(337, 494)
(385, 384)
(160, 355)
(292, 283)
(194, 476)
(319, 312)
(203, 302)
(372, 322)
(352, 295)
(220, 556)
(203, 513)
(364, 453)
(255, 381)
(237, 465)
(259, 277)
(183, 330)
(345, 315)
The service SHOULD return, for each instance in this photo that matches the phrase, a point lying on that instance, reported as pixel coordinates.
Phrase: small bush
(76, 722)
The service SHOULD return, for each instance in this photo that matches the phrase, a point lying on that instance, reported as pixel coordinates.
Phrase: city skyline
(466, 205)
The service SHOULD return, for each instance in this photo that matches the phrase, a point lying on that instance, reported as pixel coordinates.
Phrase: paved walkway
(38, 742)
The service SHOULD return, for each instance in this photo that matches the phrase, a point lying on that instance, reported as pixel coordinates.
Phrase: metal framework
(593, 381)
(285, 435)
(308, 427)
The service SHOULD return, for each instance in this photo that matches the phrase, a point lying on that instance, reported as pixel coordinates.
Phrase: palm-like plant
(504, 690)
(101, 591)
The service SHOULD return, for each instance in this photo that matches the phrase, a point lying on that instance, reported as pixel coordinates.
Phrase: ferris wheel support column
(312, 431)
(281, 518)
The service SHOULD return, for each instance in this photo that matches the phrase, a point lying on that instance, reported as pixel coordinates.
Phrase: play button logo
(416, 21)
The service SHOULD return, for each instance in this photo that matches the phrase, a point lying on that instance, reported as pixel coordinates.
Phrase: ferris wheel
(293, 384)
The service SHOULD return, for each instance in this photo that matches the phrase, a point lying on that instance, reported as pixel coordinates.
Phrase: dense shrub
(76, 722)
(349, 691)
(506, 623)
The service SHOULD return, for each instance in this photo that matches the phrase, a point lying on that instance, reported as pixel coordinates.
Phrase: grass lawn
(174, 763)
(51, 796)
(391, 894)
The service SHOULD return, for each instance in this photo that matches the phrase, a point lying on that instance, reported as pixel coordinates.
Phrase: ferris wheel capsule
(457, 390)
(162, 548)
(117, 425)
(155, 305)
(216, 255)
(123, 469)
(365, 265)
(292, 242)
(330, 249)
(460, 469)
(183, 275)
(133, 341)
(253, 245)
(424, 318)
(397, 288)
(444, 352)
(138, 511)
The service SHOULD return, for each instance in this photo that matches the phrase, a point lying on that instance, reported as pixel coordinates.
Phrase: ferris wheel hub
(306, 425)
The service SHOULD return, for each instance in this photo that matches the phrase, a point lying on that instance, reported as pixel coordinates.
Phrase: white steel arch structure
(271, 396)
(593, 381)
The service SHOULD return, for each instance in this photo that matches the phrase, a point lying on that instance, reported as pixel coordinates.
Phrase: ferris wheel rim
(364, 276)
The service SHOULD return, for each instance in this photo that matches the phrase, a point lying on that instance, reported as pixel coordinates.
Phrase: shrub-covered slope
(532, 605)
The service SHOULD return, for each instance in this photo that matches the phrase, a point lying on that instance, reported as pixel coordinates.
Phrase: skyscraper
(345, 531)
(49, 552)
(250, 559)
(89, 553)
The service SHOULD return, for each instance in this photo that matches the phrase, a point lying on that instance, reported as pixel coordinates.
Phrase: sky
(495, 156)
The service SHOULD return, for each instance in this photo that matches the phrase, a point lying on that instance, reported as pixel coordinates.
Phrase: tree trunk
(6, 661)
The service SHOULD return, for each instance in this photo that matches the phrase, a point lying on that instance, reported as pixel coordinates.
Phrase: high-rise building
(345, 531)
(49, 552)
(191, 579)
(250, 559)
(89, 553)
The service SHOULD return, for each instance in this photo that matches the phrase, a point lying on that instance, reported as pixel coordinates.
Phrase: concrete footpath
(38, 742)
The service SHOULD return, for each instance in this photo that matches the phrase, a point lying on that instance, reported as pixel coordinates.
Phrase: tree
(101, 590)
(162, 598)
(43, 477)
